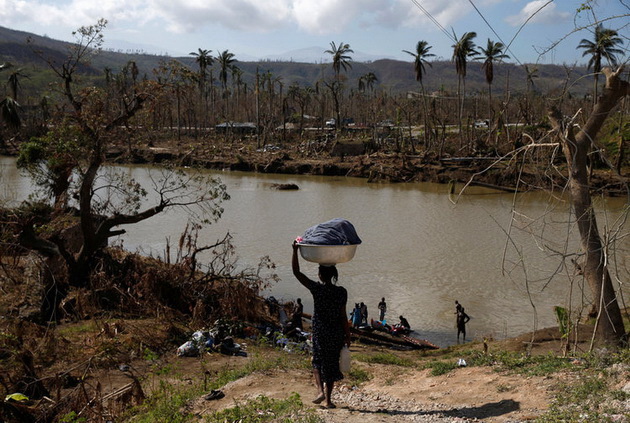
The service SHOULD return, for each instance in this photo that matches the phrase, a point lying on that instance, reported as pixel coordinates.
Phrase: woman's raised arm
(295, 262)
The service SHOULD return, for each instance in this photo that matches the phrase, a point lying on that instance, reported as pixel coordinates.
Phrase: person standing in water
(330, 326)
(462, 319)
(382, 306)
(356, 316)
(364, 313)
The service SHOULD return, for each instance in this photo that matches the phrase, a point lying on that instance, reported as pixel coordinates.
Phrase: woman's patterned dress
(328, 332)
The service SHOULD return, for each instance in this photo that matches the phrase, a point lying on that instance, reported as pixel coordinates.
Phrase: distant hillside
(394, 76)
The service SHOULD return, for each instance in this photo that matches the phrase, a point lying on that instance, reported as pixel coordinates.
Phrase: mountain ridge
(395, 76)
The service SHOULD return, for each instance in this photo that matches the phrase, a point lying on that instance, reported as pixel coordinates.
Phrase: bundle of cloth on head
(337, 231)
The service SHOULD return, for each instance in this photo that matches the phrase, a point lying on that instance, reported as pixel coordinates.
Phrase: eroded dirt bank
(506, 173)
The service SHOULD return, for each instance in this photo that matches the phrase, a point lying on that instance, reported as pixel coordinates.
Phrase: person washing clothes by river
(330, 326)
(364, 313)
(404, 323)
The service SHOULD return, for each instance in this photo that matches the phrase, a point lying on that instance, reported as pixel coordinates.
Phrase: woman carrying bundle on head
(330, 326)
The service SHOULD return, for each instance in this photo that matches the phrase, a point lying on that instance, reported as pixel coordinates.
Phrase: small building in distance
(241, 128)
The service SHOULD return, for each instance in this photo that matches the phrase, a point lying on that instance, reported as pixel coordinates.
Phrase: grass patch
(263, 409)
(537, 365)
(150, 355)
(167, 403)
(440, 367)
(72, 417)
(358, 376)
(257, 364)
(163, 370)
(80, 328)
(384, 358)
(579, 402)
(520, 363)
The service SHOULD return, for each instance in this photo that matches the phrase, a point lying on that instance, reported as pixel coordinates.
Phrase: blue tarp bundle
(337, 231)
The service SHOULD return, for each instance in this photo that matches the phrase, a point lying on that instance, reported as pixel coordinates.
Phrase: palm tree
(14, 83)
(420, 59)
(204, 59)
(237, 83)
(603, 47)
(226, 63)
(226, 60)
(340, 57)
(10, 113)
(532, 73)
(361, 84)
(367, 82)
(462, 50)
(492, 53)
(9, 107)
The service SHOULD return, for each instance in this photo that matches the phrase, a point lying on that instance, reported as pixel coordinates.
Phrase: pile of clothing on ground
(291, 339)
(288, 335)
(216, 339)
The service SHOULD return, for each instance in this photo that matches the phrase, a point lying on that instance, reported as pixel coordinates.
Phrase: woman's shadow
(492, 409)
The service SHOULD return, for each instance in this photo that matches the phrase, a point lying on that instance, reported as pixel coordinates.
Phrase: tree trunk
(609, 326)
(55, 288)
(427, 139)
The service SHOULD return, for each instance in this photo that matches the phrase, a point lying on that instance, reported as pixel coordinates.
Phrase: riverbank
(515, 171)
(348, 157)
(113, 357)
(127, 370)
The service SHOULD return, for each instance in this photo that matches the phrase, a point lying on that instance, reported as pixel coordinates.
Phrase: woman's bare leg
(329, 389)
(320, 387)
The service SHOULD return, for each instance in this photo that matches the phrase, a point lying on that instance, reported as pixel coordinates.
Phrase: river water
(497, 254)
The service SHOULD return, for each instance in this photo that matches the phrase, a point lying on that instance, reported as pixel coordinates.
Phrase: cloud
(317, 17)
(251, 15)
(547, 15)
(405, 13)
(71, 14)
(330, 16)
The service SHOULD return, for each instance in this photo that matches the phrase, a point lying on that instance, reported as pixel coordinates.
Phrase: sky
(538, 31)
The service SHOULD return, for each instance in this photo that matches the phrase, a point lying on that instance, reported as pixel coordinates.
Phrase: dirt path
(462, 395)
(398, 394)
